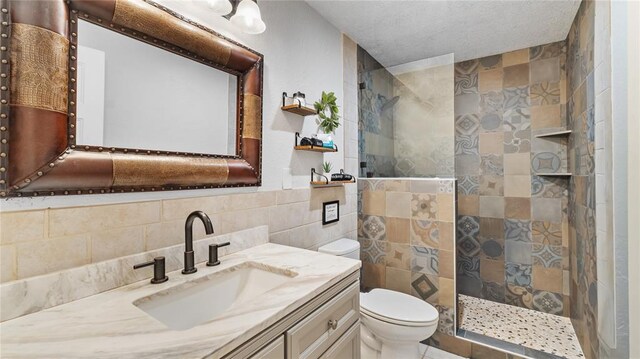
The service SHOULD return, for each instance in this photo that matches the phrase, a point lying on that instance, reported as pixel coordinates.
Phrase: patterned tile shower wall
(375, 117)
(582, 203)
(512, 243)
(406, 232)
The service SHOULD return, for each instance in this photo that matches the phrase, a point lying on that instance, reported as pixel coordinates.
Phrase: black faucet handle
(158, 269)
(213, 253)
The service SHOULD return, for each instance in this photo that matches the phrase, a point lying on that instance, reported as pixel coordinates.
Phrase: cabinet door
(347, 347)
(273, 350)
(316, 333)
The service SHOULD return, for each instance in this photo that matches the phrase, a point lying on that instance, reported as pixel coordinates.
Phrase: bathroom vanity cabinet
(328, 326)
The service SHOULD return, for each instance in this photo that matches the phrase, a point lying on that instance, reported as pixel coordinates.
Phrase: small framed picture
(330, 212)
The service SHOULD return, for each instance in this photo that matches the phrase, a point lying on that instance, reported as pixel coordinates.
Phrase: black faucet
(189, 261)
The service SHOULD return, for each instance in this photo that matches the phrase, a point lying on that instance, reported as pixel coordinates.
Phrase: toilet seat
(398, 308)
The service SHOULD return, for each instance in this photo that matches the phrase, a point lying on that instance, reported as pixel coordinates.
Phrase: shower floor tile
(537, 334)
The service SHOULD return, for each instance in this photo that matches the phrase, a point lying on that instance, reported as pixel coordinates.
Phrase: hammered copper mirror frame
(38, 152)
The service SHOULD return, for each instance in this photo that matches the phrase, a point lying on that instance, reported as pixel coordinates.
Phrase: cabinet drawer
(347, 347)
(273, 350)
(316, 333)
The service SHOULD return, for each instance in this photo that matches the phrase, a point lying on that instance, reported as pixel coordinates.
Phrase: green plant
(331, 121)
(327, 166)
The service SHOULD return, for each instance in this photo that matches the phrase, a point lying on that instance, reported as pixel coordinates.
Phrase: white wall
(302, 51)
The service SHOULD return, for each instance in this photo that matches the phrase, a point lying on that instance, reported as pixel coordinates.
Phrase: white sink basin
(204, 299)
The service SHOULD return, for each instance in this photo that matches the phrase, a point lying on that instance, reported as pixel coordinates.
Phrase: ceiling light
(220, 7)
(247, 18)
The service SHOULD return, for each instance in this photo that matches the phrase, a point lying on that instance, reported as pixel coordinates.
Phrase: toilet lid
(397, 307)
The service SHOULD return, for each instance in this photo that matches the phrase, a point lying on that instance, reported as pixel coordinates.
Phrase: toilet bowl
(393, 323)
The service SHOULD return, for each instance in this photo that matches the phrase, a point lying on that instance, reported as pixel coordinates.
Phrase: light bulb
(220, 7)
(247, 18)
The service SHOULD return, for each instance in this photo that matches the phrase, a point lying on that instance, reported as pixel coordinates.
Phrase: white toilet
(393, 323)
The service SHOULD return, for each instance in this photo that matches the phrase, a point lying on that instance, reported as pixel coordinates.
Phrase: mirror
(131, 94)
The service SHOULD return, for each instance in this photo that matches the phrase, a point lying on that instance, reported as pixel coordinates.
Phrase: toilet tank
(343, 247)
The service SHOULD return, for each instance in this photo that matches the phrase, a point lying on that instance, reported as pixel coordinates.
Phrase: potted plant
(329, 117)
(326, 168)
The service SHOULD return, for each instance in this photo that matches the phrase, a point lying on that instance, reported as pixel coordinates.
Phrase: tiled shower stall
(507, 143)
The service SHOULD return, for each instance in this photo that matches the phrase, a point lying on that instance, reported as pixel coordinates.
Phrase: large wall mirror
(131, 94)
(123, 95)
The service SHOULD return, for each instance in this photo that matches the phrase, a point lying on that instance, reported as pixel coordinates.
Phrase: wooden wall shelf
(314, 149)
(300, 110)
(321, 184)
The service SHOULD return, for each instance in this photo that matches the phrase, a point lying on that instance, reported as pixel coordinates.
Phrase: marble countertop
(108, 325)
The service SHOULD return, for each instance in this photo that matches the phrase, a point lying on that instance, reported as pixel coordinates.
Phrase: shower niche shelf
(553, 174)
(555, 134)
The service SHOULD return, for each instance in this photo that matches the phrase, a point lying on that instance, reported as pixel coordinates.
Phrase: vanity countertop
(108, 325)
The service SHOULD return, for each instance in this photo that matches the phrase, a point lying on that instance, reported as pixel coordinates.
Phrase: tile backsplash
(43, 241)
(407, 237)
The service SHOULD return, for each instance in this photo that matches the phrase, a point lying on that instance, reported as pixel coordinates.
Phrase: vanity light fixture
(247, 17)
(220, 7)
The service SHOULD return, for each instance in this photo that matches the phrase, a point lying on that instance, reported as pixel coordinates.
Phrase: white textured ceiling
(396, 32)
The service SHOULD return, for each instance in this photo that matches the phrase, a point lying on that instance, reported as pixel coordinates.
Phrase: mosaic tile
(424, 206)
(547, 233)
(466, 67)
(517, 141)
(446, 323)
(468, 266)
(545, 93)
(469, 285)
(545, 162)
(536, 332)
(491, 164)
(547, 256)
(373, 227)
(466, 144)
(468, 185)
(467, 124)
(373, 251)
(425, 233)
(468, 227)
(516, 75)
(547, 51)
(547, 302)
(516, 252)
(491, 186)
(398, 256)
(466, 103)
(425, 287)
(516, 119)
(492, 248)
(490, 62)
(466, 83)
(493, 291)
(491, 121)
(445, 186)
(468, 246)
(518, 274)
(546, 70)
(549, 187)
(516, 97)
(491, 102)
(519, 296)
(424, 260)
(517, 230)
